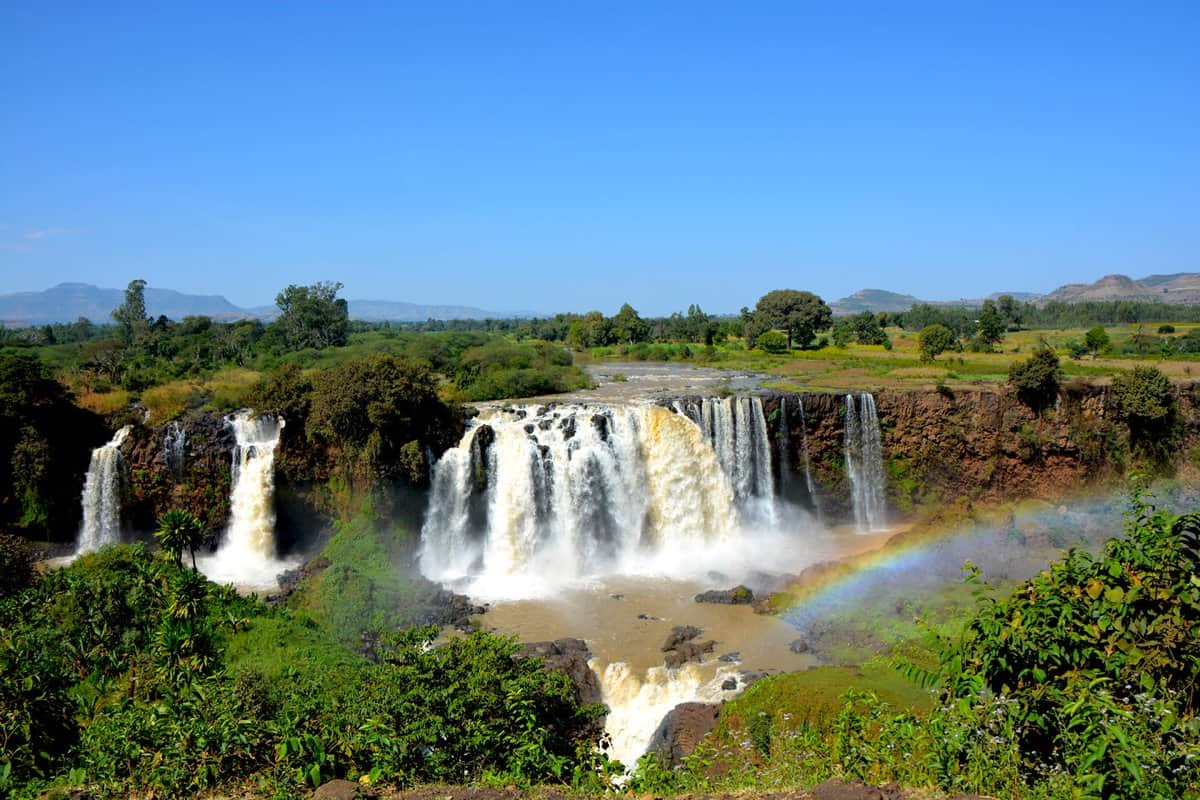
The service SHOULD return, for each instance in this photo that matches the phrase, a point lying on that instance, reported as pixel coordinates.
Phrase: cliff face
(983, 445)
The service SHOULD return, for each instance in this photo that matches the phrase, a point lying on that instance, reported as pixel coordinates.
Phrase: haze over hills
(68, 302)
(1182, 288)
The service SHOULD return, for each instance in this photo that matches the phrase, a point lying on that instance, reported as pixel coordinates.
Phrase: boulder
(678, 635)
(799, 646)
(688, 651)
(570, 657)
(682, 729)
(737, 596)
(838, 789)
(337, 790)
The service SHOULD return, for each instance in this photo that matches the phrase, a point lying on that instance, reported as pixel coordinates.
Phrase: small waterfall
(174, 444)
(102, 495)
(534, 495)
(252, 500)
(737, 429)
(864, 462)
(808, 481)
(637, 705)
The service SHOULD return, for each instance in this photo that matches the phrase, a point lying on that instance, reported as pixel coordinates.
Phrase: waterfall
(864, 462)
(808, 470)
(252, 500)
(102, 496)
(737, 430)
(637, 705)
(534, 496)
(174, 443)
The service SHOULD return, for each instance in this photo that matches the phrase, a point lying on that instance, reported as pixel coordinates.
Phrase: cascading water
(864, 462)
(808, 481)
(737, 429)
(174, 446)
(637, 704)
(102, 495)
(247, 554)
(537, 496)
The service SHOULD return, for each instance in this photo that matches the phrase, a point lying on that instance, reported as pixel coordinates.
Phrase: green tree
(992, 325)
(1145, 400)
(799, 314)
(313, 316)
(1037, 378)
(130, 316)
(179, 530)
(628, 327)
(1096, 340)
(1010, 310)
(934, 340)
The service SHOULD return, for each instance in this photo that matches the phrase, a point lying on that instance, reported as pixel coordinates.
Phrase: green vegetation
(179, 530)
(798, 314)
(934, 340)
(126, 672)
(1037, 378)
(1080, 684)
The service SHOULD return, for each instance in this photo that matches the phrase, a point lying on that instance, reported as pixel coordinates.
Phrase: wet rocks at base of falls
(681, 646)
(681, 731)
(570, 656)
(737, 596)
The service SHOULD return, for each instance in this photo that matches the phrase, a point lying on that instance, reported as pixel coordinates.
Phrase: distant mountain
(68, 302)
(1182, 288)
(395, 311)
(873, 300)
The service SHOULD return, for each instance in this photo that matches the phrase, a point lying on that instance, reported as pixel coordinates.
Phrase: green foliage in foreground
(1084, 683)
(126, 672)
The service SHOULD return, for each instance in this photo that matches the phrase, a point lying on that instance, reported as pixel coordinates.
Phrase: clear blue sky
(568, 155)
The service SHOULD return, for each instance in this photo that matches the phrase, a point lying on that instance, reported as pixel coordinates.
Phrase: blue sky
(569, 156)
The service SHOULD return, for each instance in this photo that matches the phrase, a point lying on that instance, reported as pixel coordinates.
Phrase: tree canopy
(798, 314)
(313, 316)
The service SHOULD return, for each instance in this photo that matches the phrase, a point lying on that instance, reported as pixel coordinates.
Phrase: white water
(174, 446)
(637, 703)
(808, 481)
(247, 554)
(737, 430)
(102, 496)
(864, 462)
(570, 492)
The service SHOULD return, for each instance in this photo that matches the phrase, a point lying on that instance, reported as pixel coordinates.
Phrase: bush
(773, 342)
(1037, 378)
(16, 565)
(1166, 328)
(1145, 400)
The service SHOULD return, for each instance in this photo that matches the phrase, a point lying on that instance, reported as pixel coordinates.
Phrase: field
(871, 367)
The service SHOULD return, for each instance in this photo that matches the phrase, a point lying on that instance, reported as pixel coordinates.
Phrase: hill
(68, 302)
(1182, 288)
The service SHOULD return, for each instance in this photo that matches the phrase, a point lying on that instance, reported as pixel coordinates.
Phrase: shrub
(16, 565)
(1145, 400)
(1037, 378)
(773, 342)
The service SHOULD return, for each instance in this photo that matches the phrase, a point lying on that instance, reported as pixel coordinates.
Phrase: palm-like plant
(179, 530)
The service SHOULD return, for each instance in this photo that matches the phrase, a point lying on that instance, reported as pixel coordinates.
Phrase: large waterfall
(737, 430)
(864, 462)
(539, 495)
(247, 553)
(102, 496)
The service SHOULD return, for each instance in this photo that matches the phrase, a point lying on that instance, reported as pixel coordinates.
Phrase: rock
(337, 790)
(682, 729)
(729, 684)
(650, 617)
(751, 677)
(600, 423)
(799, 646)
(838, 789)
(730, 658)
(570, 657)
(680, 634)
(617, 596)
(738, 595)
(688, 651)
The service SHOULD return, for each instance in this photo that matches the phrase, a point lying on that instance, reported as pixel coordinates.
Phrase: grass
(871, 367)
